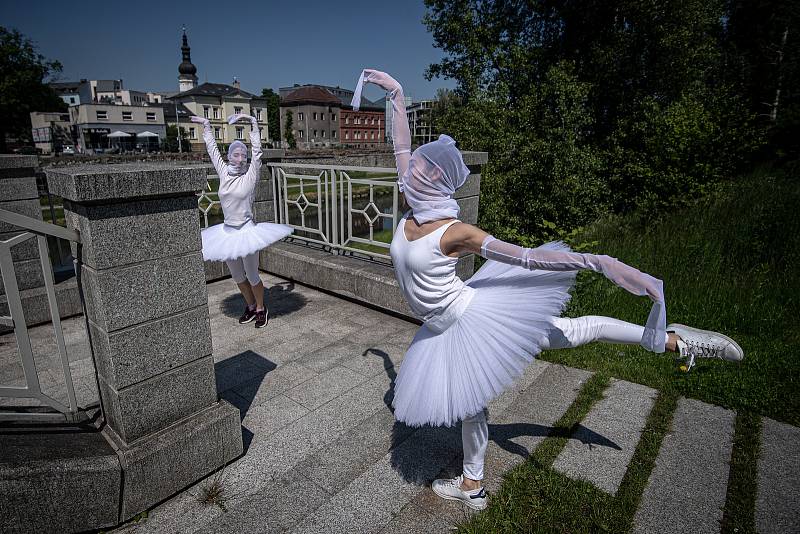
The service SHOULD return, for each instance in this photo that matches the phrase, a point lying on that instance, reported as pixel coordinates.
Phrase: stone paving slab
(688, 485)
(325, 387)
(778, 497)
(603, 445)
(373, 499)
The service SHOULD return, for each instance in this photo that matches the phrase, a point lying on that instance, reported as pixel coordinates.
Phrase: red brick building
(363, 128)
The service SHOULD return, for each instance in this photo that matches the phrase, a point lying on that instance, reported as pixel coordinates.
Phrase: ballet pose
(238, 240)
(478, 336)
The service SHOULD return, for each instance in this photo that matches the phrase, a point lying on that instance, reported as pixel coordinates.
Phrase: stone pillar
(147, 308)
(467, 197)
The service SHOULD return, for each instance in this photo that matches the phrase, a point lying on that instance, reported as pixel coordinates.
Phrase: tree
(273, 113)
(171, 141)
(290, 140)
(596, 105)
(23, 73)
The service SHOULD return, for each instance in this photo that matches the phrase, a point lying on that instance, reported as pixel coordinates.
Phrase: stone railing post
(147, 308)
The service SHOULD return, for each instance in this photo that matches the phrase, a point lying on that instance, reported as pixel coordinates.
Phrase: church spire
(187, 72)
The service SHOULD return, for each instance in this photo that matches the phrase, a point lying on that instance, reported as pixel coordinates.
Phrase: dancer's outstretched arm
(255, 143)
(464, 238)
(401, 133)
(211, 144)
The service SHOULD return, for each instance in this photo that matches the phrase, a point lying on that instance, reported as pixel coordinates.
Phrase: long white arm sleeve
(213, 151)
(401, 133)
(621, 274)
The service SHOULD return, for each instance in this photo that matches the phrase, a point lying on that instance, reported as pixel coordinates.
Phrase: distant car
(68, 151)
(30, 150)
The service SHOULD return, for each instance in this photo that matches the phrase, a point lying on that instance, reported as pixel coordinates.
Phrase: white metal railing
(326, 205)
(16, 320)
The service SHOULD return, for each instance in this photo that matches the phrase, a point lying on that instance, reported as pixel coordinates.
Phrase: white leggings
(245, 269)
(566, 333)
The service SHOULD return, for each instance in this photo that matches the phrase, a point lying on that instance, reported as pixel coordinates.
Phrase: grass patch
(729, 262)
(740, 503)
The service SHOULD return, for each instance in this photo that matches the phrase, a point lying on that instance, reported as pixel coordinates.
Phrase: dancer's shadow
(421, 454)
(280, 299)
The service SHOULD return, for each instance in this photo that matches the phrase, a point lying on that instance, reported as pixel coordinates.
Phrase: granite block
(471, 188)
(97, 183)
(151, 405)
(26, 250)
(29, 208)
(28, 273)
(125, 296)
(468, 210)
(19, 189)
(125, 357)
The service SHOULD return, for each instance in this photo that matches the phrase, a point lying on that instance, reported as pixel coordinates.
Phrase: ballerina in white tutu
(478, 336)
(238, 240)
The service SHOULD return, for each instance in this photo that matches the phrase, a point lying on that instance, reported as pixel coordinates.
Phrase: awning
(119, 134)
(147, 134)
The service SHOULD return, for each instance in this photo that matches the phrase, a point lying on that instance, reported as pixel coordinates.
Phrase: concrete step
(601, 448)
(778, 497)
(687, 488)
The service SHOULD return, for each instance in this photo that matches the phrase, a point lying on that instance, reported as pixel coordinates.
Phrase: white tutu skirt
(222, 242)
(448, 376)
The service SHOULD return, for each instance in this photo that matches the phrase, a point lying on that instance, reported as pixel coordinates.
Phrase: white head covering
(236, 171)
(434, 173)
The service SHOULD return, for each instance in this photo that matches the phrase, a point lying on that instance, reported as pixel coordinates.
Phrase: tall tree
(289, 136)
(23, 76)
(273, 113)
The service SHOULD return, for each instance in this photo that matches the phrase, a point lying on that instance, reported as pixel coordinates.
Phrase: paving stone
(687, 488)
(259, 390)
(275, 508)
(325, 387)
(354, 452)
(778, 498)
(373, 499)
(603, 445)
(267, 418)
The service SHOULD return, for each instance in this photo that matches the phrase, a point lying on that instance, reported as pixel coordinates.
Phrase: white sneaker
(450, 488)
(696, 343)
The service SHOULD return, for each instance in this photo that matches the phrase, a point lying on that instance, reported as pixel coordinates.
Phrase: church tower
(187, 72)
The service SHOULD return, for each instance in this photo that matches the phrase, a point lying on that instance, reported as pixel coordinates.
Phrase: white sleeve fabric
(401, 133)
(213, 151)
(255, 144)
(621, 274)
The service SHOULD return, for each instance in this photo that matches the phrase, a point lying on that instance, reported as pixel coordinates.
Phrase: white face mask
(237, 157)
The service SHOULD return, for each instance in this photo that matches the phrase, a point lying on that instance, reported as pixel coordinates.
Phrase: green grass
(729, 262)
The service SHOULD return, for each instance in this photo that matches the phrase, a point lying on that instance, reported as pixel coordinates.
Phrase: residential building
(315, 116)
(95, 122)
(51, 131)
(419, 121)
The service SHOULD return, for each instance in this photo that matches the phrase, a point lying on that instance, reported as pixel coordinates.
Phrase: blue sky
(265, 44)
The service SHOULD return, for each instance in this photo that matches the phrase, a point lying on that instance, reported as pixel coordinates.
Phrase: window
(240, 132)
(127, 115)
(372, 135)
(323, 134)
(315, 115)
(72, 100)
(300, 116)
(151, 116)
(237, 109)
(322, 116)
(347, 120)
(373, 121)
(347, 135)
(301, 134)
(216, 113)
(333, 134)
(192, 133)
(258, 114)
(333, 117)
(206, 112)
(102, 115)
(218, 133)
